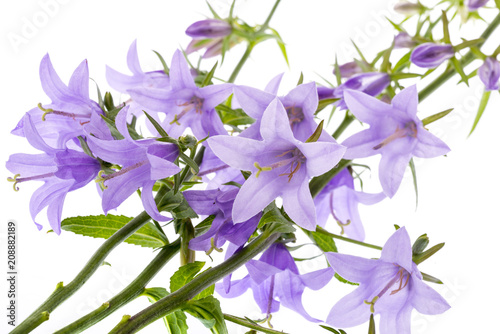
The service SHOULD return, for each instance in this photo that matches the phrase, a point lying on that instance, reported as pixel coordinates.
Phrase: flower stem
(339, 237)
(176, 299)
(319, 182)
(248, 324)
(269, 17)
(63, 292)
(128, 294)
(242, 62)
(344, 125)
(464, 61)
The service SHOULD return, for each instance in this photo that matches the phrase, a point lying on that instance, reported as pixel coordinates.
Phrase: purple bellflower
(219, 203)
(339, 199)
(403, 40)
(372, 83)
(211, 28)
(275, 275)
(431, 55)
(489, 73)
(185, 104)
(71, 110)
(349, 69)
(61, 170)
(280, 164)
(395, 132)
(143, 162)
(391, 286)
(474, 5)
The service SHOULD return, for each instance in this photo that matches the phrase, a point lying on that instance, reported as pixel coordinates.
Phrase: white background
(458, 193)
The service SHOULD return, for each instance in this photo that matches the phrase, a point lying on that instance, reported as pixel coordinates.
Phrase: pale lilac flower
(275, 276)
(211, 28)
(431, 55)
(391, 286)
(474, 5)
(403, 40)
(71, 109)
(371, 83)
(489, 73)
(185, 105)
(143, 162)
(280, 164)
(61, 170)
(339, 199)
(219, 203)
(349, 69)
(395, 132)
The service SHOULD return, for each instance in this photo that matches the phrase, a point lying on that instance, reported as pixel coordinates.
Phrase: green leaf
(190, 162)
(458, 67)
(324, 242)
(175, 321)
(208, 311)
(414, 176)
(336, 67)
(340, 331)
(204, 226)
(301, 79)
(209, 76)
(403, 62)
(185, 274)
(427, 254)
(275, 221)
(446, 31)
(432, 279)
(322, 104)
(233, 117)
(497, 3)
(105, 226)
(467, 44)
(281, 45)
(482, 107)
(214, 13)
(435, 117)
(176, 204)
(108, 101)
(371, 326)
(157, 125)
(166, 70)
(315, 136)
(400, 76)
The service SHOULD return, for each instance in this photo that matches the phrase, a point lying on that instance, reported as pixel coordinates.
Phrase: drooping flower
(275, 276)
(474, 5)
(219, 203)
(391, 286)
(395, 132)
(185, 104)
(210, 28)
(142, 163)
(403, 40)
(61, 170)
(371, 83)
(489, 73)
(339, 199)
(71, 109)
(280, 164)
(431, 55)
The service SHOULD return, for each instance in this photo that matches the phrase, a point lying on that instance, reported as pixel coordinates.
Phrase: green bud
(420, 244)
(108, 101)
(187, 141)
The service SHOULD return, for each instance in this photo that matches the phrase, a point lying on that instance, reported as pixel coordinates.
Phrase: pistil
(195, 103)
(295, 115)
(101, 177)
(397, 278)
(409, 130)
(16, 179)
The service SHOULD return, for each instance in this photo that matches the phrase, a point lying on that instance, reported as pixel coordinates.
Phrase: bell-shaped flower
(489, 73)
(61, 170)
(71, 109)
(391, 286)
(280, 164)
(339, 199)
(403, 40)
(349, 69)
(474, 5)
(371, 83)
(275, 280)
(210, 28)
(142, 163)
(220, 204)
(185, 104)
(431, 55)
(395, 132)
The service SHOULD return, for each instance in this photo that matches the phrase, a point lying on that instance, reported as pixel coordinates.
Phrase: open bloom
(391, 286)
(143, 162)
(61, 170)
(185, 105)
(280, 164)
(395, 132)
(219, 203)
(276, 276)
(371, 83)
(489, 73)
(339, 199)
(70, 111)
(431, 55)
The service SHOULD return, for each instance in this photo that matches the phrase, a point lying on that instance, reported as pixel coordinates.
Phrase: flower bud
(349, 69)
(408, 8)
(372, 83)
(431, 55)
(209, 29)
(489, 73)
(420, 244)
(474, 5)
(403, 40)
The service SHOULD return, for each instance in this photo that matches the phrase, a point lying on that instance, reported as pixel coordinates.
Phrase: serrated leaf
(208, 311)
(275, 221)
(324, 242)
(482, 106)
(184, 275)
(105, 226)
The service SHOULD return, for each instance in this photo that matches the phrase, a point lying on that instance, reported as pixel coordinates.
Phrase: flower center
(101, 177)
(195, 103)
(16, 179)
(295, 115)
(293, 157)
(409, 130)
(401, 276)
(64, 114)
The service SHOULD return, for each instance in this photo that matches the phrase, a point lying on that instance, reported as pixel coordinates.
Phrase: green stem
(464, 61)
(344, 125)
(248, 324)
(339, 237)
(319, 182)
(242, 62)
(64, 292)
(269, 17)
(176, 299)
(128, 294)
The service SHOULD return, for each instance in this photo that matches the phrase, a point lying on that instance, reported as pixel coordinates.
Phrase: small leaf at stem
(482, 106)
(427, 254)
(166, 70)
(209, 76)
(435, 117)
(414, 176)
(156, 125)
